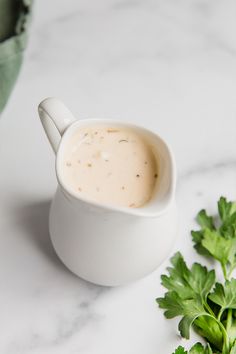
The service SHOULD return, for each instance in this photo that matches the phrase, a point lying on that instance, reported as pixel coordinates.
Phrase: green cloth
(14, 20)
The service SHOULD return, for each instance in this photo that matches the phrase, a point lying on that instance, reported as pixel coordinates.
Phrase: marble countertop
(169, 65)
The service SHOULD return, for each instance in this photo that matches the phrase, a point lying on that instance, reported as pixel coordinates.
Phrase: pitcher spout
(163, 196)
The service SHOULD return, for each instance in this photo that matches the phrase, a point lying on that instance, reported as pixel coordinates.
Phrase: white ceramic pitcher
(105, 244)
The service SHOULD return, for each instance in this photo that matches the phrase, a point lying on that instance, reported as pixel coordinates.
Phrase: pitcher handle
(55, 118)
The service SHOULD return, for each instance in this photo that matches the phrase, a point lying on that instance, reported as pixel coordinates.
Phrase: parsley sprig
(196, 349)
(194, 293)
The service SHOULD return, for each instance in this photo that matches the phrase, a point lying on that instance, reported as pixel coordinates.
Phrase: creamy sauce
(109, 164)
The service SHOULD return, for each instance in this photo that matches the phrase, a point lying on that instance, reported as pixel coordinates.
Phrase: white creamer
(106, 236)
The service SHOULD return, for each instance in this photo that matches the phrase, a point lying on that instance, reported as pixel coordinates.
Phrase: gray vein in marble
(84, 315)
(71, 16)
(214, 41)
(127, 4)
(203, 169)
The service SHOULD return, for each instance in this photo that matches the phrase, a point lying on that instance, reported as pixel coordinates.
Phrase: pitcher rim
(139, 211)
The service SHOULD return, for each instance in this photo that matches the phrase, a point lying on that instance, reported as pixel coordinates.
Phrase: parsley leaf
(199, 349)
(205, 221)
(226, 209)
(187, 292)
(180, 350)
(225, 296)
(191, 311)
(220, 248)
(172, 303)
(219, 243)
(189, 284)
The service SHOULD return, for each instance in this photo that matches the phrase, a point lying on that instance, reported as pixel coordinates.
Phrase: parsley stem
(229, 320)
(225, 349)
(231, 270)
(220, 314)
(224, 269)
(226, 346)
(208, 308)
